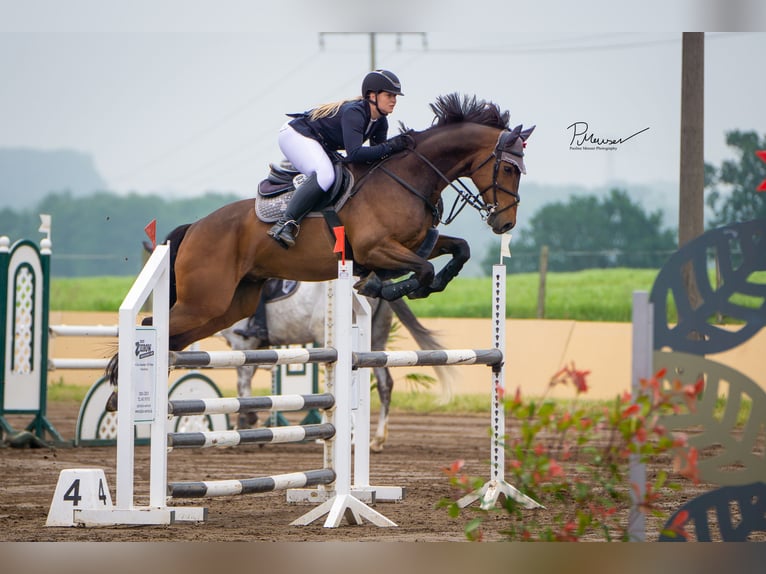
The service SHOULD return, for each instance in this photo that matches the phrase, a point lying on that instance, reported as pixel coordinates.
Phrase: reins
(465, 196)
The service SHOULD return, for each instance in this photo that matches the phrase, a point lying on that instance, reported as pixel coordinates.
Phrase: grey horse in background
(298, 319)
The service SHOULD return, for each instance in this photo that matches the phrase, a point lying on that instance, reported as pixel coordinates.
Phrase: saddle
(278, 289)
(275, 191)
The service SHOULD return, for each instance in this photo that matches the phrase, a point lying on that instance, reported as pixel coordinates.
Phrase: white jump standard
(489, 493)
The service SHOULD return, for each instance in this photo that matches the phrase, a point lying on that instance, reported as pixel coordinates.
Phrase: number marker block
(78, 489)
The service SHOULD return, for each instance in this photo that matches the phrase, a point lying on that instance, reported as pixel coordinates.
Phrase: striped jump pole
(221, 359)
(250, 485)
(491, 357)
(83, 330)
(186, 407)
(77, 364)
(250, 436)
(80, 331)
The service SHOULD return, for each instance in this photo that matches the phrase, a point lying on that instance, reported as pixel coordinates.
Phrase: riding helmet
(381, 81)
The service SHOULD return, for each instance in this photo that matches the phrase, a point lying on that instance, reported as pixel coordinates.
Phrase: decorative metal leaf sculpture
(747, 501)
(729, 453)
(741, 250)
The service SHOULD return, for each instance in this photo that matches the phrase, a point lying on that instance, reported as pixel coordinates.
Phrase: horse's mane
(452, 109)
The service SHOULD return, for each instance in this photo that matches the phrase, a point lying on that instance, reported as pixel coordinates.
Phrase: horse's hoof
(420, 293)
(111, 403)
(376, 445)
(369, 286)
(247, 420)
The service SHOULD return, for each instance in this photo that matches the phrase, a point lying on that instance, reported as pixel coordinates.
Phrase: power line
(214, 126)
(576, 45)
(373, 41)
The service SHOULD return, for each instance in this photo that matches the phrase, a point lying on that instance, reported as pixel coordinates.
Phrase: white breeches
(307, 155)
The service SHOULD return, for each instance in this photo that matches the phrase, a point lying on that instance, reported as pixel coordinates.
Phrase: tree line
(101, 234)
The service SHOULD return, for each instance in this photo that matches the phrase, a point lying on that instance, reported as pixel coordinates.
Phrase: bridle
(505, 147)
(509, 144)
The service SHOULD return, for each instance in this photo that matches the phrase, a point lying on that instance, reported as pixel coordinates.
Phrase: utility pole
(373, 41)
(692, 174)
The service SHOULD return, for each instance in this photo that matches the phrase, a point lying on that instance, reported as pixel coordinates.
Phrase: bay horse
(299, 318)
(223, 259)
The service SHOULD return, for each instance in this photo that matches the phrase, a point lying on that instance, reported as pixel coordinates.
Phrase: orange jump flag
(340, 242)
(151, 232)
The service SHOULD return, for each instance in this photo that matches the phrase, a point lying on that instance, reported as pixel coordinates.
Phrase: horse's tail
(426, 339)
(175, 237)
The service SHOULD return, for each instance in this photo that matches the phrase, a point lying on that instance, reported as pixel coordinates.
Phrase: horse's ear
(527, 132)
(516, 132)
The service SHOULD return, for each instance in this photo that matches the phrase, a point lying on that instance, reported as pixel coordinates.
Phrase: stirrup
(284, 236)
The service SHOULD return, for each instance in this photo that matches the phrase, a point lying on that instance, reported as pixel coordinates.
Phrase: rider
(307, 140)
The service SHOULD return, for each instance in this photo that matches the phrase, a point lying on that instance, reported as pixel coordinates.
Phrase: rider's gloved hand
(401, 142)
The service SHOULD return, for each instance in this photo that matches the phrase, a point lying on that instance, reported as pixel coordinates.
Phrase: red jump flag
(340, 242)
(761, 154)
(151, 232)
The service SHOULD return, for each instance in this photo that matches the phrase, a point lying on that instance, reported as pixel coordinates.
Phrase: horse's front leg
(396, 257)
(445, 245)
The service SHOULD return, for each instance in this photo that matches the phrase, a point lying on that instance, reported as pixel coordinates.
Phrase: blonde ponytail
(329, 110)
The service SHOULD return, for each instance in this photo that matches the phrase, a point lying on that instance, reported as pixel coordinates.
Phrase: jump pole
(497, 486)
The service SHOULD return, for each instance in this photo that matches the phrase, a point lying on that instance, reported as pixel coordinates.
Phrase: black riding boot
(305, 197)
(256, 326)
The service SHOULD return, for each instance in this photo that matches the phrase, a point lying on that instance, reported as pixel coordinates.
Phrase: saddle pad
(270, 209)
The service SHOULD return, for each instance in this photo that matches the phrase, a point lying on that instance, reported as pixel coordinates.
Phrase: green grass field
(593, 295)
(589, 295)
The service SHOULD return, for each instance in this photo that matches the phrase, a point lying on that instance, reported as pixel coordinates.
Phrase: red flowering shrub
(574, 457)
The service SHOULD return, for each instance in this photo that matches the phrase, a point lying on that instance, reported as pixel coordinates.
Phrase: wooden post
(692, 175)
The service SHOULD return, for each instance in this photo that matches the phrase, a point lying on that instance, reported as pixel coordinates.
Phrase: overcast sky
(184, 97)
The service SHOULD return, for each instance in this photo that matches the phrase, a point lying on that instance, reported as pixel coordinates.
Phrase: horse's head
(498, 176)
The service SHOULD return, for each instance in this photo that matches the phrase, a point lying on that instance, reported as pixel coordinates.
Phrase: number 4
(101, 493)
(73, 493)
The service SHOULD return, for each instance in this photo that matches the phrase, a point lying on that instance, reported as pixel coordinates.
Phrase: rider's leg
(305, 197)
(310, 158)
(256, 325)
